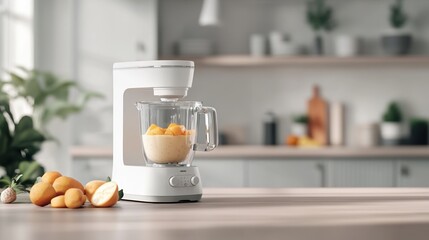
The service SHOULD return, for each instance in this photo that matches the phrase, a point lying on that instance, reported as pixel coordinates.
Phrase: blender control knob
(174, 181)
(195, 180)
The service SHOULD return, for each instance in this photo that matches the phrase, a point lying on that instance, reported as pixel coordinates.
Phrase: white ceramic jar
(391, 133)
(347, 46)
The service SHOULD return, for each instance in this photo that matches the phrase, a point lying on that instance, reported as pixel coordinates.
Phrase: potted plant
(397, 40)
(320, 17)
(391, 128)
(21, 137)
(419, 131)
(299, 126)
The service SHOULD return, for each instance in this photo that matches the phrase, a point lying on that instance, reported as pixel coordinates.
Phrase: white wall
(241, 18)
(80, 40)
(243, 95)
(54, 51)
(109, 32)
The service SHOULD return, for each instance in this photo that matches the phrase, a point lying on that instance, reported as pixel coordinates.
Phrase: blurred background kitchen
(314, 93)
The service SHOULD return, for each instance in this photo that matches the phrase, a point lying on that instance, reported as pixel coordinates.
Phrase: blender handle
(210, 120)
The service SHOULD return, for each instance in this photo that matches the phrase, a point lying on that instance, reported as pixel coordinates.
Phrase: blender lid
(155, 64)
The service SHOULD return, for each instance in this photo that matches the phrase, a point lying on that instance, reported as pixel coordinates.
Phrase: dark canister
(270, 129)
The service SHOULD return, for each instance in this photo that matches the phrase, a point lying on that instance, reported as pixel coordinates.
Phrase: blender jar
(169, 131)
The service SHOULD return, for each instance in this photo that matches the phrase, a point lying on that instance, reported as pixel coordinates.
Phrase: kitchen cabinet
(276, 167)
(222, 172)
(413, 173)
(286, 173)
(361, 173)
(86, 170)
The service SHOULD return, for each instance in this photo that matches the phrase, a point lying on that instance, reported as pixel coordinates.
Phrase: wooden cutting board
(318, 117)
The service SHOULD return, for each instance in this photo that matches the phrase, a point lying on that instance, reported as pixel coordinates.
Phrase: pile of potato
(62, 191)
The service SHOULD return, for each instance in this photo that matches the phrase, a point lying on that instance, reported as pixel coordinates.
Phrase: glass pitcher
(169, 131)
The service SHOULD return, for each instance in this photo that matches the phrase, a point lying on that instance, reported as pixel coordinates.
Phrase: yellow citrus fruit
(41, 194)
(49, 177)
(90, 188)
(106, 195)
(74, 198)
(63, 183)
(58, 202)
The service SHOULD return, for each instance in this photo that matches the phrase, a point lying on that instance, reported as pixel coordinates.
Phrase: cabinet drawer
(286, 173)
(221, 172)
(413, 173)
(361, 173)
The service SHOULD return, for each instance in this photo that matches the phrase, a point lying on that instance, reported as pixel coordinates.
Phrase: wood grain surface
(249, 214)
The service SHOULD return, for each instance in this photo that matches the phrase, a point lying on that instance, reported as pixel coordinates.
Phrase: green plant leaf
(29, 151)
(16, 80)
(25, 123)
(32, 89)
(5, 181)
(4, 106)
(121, 194)
(4, 135)
(27, 138)
(60, 90)
(66, 110)
(30, 170)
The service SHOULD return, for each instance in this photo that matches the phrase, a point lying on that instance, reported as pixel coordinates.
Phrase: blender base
(160, 184)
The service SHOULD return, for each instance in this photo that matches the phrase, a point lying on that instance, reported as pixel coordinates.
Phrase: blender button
(174, 181)
(195, 180)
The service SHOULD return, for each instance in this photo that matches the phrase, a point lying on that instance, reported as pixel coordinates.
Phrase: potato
(58, 202)
(74, 198)
(106, 195)
(41, 194)
(49, 177)
(63, 183)
(90, 188)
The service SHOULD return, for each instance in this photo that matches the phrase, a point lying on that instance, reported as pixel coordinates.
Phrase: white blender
(153, 145)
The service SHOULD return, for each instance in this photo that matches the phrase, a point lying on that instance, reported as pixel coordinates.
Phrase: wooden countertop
(235, 214)
(257, 151)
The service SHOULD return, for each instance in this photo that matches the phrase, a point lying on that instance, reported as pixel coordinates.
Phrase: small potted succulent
(300, 126)
(419, 131)
(397, 40)
(391, 128)
(320, 17)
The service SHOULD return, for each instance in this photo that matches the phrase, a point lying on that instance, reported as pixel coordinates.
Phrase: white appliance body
(131, 82)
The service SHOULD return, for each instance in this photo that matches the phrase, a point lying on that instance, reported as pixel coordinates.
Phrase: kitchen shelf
(258, 152)
(91, 152)
(250, 61)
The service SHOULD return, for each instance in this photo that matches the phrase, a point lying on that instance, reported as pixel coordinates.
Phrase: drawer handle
(322, 169)
(405, 171)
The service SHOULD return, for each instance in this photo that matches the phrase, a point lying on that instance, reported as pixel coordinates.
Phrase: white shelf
(249, 61)
(255, 151)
